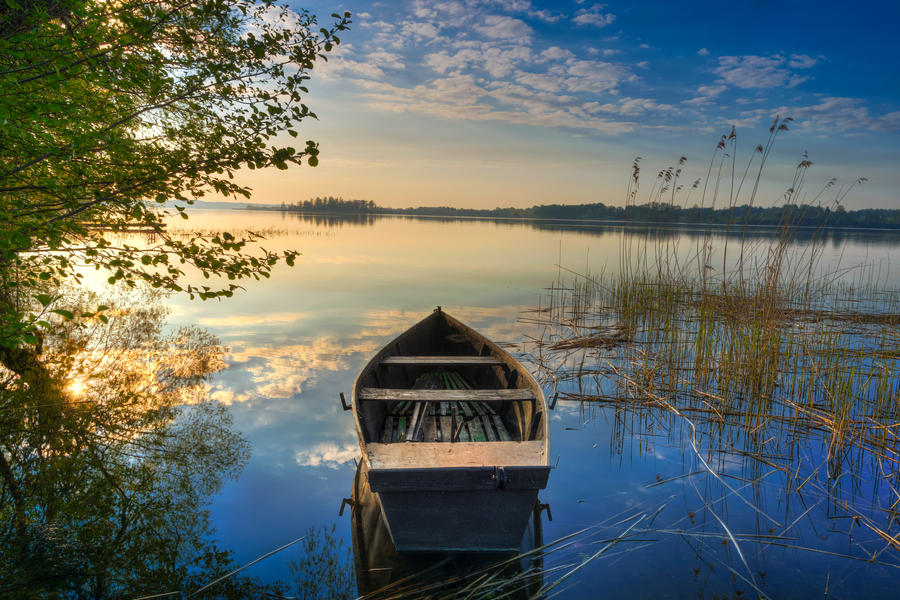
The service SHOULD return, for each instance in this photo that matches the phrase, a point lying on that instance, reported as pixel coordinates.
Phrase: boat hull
(450, 496)
(464, 521)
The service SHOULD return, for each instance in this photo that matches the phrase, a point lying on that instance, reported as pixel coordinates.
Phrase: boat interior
(443, 382)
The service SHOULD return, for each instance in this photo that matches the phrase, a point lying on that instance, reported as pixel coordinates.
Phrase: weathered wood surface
(463, 432)
(446, 428)
(429, 488)
(489, 429)
(441, 360)
(467, 410)
(415, 422)
(479, 520)
(461, 454)
(431, 432)
(388, 432)
(460, 479)
(476, 429)
(501, 429)
(368, 393)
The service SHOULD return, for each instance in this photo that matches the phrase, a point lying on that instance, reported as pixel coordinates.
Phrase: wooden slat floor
(465, 421)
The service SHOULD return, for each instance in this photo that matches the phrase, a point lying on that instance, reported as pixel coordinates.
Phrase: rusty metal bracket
(543, 507)
(500, 478)
(345, 502)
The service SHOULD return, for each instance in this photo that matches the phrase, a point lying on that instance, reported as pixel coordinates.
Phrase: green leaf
(65, 314)
(181, 96)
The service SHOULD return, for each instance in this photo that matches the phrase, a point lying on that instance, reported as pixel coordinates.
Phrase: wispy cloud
(593, 16)
(829, 114)
(802, 61)
(503, 28)
(483, 61)
(555, 53)
(751, 71)
(525, 6)
(390, 60)
(419, 31)
(844, 114)
(486, 66)
(706, 94)
(630, 106)
(460, 97)
(546, 16)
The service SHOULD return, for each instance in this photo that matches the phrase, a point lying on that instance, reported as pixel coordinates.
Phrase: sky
(522, 102)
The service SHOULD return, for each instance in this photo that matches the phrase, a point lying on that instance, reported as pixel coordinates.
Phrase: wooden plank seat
(386, 394)
(441, 360)
(405, 456)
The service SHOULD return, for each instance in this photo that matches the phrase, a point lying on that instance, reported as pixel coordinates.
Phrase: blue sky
(518, 102)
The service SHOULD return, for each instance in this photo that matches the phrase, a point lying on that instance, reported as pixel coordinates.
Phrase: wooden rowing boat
(454, 436)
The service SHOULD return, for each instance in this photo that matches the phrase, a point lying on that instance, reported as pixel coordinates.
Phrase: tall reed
(754, 339)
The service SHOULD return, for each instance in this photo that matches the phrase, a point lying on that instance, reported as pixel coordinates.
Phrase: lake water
(298, 339)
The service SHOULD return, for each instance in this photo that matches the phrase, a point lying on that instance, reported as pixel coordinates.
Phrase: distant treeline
(330, 204)
(791, 214)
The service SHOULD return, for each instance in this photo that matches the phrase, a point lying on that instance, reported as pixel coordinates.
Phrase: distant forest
(802, 215)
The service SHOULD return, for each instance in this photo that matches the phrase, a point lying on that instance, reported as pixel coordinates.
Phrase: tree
(107, 468)
(114, 114)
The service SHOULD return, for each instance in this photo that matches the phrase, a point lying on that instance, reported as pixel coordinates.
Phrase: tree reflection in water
(110, 454)
(322, 571)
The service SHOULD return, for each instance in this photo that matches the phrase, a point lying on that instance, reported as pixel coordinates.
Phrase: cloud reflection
(327, 454)
(245, 320)
(270, 371)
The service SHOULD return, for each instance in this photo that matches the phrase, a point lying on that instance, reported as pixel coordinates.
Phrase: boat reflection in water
(384, 572)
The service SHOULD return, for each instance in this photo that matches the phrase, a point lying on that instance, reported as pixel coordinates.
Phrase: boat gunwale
(472, 335)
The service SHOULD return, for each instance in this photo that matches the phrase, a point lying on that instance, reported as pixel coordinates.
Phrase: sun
(77, 387)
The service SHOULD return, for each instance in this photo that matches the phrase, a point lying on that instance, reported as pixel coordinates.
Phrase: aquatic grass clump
(756, 344)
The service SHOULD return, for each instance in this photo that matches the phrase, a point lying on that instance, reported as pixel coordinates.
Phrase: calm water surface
(298, 339)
